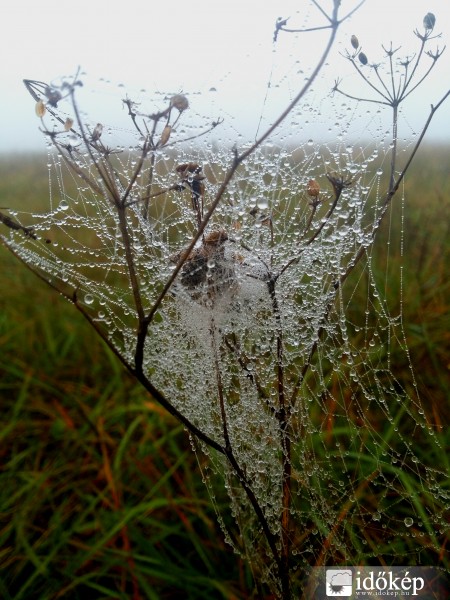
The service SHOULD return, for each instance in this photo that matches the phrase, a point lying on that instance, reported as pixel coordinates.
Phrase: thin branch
(12, 224)
(338, 185)
(350, 97)
(405, 95)
(105, 176)
(388, 98)
(239, 472)
(137, 170)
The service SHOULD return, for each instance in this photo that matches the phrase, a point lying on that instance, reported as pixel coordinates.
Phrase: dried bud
(188, 168)
(180, 102)
(313, 188)
(362, 58)
(40, 109)
(68, 124)
(354, 41)
(165, 135)
(96, 134)
(429, 21)
(216, 237)
(53, 96)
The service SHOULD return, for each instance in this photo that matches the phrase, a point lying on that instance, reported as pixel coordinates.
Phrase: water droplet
(88, 298)
(262, 203)
(408, 521)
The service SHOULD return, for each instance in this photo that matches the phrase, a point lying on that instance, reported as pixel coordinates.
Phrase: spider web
(221, 337)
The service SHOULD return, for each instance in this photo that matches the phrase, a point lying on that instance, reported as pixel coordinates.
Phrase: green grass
(100, 493)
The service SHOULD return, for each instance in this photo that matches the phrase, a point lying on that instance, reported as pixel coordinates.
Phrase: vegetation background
(100, 494)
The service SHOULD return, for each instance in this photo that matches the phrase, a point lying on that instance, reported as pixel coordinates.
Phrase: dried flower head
(53, 96)
(313, 188)
(68, 124)
(362, 58)
(216, 237)
(354, 41)
(186, 168)
(40, 109)
(429, 21)
(165, 135)
(96, 134)
(180, 102)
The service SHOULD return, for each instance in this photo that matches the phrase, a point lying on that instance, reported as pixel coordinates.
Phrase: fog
(221, 54)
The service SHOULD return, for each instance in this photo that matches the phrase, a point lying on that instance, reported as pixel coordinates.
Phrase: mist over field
(221, 55)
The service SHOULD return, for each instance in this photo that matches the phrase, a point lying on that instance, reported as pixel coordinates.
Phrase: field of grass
(100, 493)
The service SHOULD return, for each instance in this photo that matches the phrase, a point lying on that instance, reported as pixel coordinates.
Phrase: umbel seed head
(429, 21)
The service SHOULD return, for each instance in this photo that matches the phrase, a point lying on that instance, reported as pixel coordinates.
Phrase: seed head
(429, 21)
(96, 134)
(40, 109)
(216, 237)
(68, 124)
(180, 102)
(53, 96)
(354, 41)
(313, 188)
(186, 168)
(362, 58)
(165, 135)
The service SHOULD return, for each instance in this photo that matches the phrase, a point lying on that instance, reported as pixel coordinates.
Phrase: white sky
(175, 45)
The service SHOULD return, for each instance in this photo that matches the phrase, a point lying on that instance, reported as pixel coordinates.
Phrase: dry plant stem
(394, 144)
(6, 220)
(134, 281)
(80, 173)
(106, 176)
(140, 164)
(310, 220)
(149, 186)
(271, 539)
(334, 25)
(119, 203)
(233, 347)
(392, 190)
(283, 414)
(337, 194)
